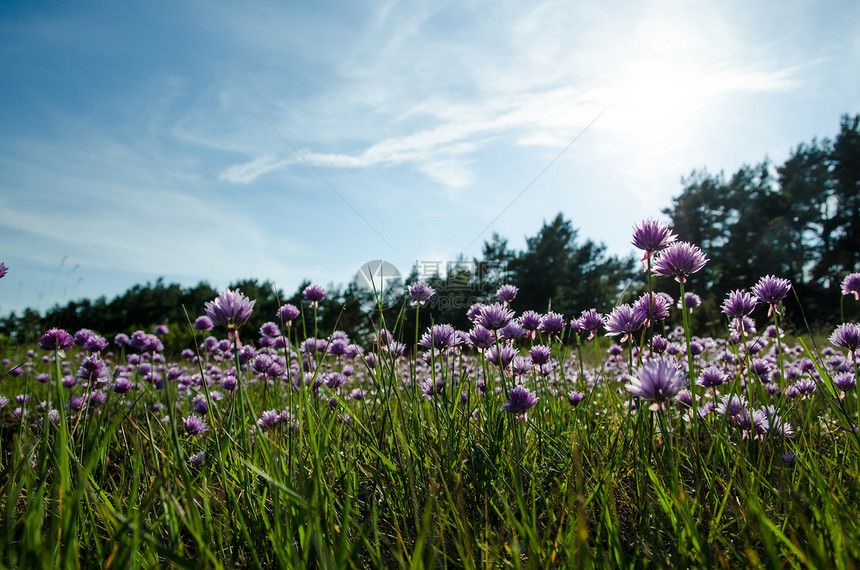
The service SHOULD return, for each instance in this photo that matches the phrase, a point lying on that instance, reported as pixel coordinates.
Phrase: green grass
(397, 480)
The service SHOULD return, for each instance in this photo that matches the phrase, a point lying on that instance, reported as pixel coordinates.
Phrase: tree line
(798, 220)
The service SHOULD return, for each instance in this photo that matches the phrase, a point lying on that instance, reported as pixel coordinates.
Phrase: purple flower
(731, 405)
(574, 398)
(3, 269)
(520, 400)
(711, 377)
(230, 309)
(651, 236)
(845, 382)
(851, 285)
(679, 260)
(122, 385)
(194, 425)
(92, 368)
(95, 343)
(203, 324)
(513, 330)
(623, 320)
(481, 338)
(651, 308)
(314, 293)
(269, 419)
(691, 300)
(521, 365)
(591, 321)
(270, 329)
(531, 322)
(420, 292)
(771, 290)
(287, 313)
(161, 329)
(507, 293)
(500, 355)
(738, 305)
(56, 339)
(846, 335)
(540, 354)
(495, 316)
(198, 459)
(552, 324)
(440, 337)
(657, 381)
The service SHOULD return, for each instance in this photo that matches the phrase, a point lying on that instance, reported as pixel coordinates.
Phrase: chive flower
(520, 400)
(851, 285)
(230, 309)
(657, 381)
(679, 260)
(56, 339)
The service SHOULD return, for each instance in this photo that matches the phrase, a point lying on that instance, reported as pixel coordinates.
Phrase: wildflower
(656, 381)
(161, 330)
(574, 398)
(789, 459)
(3, 269)
(651, 236)
(552, 324)
(513, 330)
(520, 400)
(530, 321)
(771, 290)
(121, 339)
(652, 308)
(507, 293)
(194, 425)
(203, 324)
(314, 294)
(230, 309)
(731, 405)
(846, 335)
(844, 382)
(501, 355)
(270, 329)
(684, 399)
(691, 300)
(269, 419)
(591, 321)
(521, 365)
(738, 305)
(851, 285)
(660, 344)
(197, 460)
(421, 292)
(623, 320)
(495, 316)
(711, 377)
(680, 260)
(440, 337)
(474, 312)
(539, 354)
(287, 313)
(92, 369)
(56, 339)
(481, 338)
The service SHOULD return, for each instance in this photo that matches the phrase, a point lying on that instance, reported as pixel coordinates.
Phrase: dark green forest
(798, 220)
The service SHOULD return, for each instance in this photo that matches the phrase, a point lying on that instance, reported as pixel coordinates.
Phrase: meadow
(533, 440)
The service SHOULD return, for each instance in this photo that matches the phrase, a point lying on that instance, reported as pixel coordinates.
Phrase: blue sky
(287, 141)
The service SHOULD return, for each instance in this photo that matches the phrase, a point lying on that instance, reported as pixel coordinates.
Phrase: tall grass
(422, 468)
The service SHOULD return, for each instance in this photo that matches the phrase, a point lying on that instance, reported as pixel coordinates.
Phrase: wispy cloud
(250, 171)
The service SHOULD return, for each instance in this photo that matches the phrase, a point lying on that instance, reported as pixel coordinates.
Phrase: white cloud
(248, 172)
